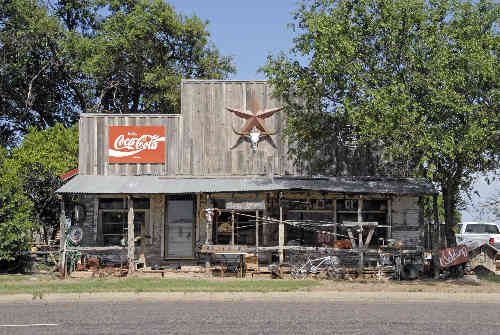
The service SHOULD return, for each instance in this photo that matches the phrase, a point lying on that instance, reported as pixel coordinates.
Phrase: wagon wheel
(299, 272)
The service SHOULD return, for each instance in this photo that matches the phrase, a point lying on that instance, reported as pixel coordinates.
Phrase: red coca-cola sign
(136, 144)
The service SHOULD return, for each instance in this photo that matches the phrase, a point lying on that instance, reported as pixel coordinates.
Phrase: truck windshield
(481, 229)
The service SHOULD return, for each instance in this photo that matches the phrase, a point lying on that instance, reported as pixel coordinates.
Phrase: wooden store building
(217, 178)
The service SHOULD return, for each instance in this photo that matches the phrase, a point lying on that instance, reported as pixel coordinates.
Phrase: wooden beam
(360, 210)
(369, 237)
(131, 238)
(281, 236)
(360, 237)
(257, 237)
(232, 227)
(351, 237)
(62, 238)
(389, 218)
(334, 208)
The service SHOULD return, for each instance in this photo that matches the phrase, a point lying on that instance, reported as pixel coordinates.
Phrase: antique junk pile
(214, 186)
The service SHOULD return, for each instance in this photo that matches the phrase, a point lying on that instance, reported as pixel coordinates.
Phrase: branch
(29, 98)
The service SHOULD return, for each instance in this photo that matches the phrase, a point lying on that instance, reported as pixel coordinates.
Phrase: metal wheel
(299, 272)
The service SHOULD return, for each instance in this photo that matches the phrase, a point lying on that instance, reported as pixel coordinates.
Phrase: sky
(247, 30)
(251, 30)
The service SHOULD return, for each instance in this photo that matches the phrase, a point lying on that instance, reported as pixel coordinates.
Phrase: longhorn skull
(254, 129)
(254, 135)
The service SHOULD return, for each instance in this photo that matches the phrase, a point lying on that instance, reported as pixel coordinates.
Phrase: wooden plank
(82, 152)
(198, 130)
(257, 237)
(369, 237)
(131, 238)
(62, 238)
(101, 146)
(351, 238)
(85, 150)
(93, 135)
(281, 237)
(389, 218)
(98, 222)
(131, 168)
(114, 168)
(105, 136)
(335, 219)
(186, 131)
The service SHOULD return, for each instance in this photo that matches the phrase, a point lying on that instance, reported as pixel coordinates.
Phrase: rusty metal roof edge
(156, 185)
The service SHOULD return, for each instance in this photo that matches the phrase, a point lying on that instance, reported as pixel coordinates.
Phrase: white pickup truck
(483, 232)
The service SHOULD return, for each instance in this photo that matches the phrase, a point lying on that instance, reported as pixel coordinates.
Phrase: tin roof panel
(161, 185)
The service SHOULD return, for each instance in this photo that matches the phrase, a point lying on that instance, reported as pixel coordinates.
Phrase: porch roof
(87, 184)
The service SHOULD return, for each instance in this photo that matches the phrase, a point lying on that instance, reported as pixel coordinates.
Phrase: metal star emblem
(254, 128)
(255, 119)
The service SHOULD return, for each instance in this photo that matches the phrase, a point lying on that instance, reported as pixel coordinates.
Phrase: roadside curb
(323, 296)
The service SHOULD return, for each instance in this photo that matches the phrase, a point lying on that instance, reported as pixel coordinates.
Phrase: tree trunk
(450, 194)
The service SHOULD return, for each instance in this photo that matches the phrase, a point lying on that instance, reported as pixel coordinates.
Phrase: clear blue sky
(251, 30)
(246, 30)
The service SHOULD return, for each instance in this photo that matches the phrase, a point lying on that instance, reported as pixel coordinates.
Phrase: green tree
(15, 208)
(37, 89)
(141, 52)
(417, 79)
(64, 57)
(29, 180)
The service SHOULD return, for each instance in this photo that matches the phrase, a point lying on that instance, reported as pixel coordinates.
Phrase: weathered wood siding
(407, 221)
(93, 146)
(200, 139)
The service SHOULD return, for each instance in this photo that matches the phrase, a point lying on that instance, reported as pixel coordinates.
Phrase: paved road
(137, 314)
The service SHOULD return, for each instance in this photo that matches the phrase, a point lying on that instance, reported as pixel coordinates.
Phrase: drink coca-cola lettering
(145, 142)
(136, 144)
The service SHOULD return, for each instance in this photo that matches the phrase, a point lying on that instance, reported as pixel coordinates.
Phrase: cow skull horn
(240, 133)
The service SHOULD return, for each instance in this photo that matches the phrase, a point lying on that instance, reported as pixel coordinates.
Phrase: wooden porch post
(389, 218)
(334, 208)
(232, 227)
(131, 238)
(361, 246)
(62, 238)
(281, 234)
(257, 237)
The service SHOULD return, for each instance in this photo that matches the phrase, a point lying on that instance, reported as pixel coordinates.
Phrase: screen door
(180, 228)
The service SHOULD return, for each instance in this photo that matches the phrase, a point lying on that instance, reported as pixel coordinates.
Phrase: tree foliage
(417, 78)
(29, 179)
(60, 58)
(15, 221)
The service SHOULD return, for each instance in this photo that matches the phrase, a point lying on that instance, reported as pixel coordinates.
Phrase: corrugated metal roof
(163, 185)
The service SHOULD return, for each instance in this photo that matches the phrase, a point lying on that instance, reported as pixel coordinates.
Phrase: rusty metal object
(453, 256)
(93, 263)
(254, 128)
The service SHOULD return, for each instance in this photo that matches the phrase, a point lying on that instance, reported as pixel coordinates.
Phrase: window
(113, 214)
(481, 229)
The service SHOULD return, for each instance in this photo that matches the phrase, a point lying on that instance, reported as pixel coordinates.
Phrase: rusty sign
(136, 144)
(453, 256)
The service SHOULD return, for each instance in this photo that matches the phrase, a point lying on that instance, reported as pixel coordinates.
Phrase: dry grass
(44, 286)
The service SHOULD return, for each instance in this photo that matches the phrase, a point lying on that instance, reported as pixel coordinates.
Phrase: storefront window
(114, 219)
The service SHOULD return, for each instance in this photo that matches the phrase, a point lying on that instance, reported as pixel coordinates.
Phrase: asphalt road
(248, 315)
